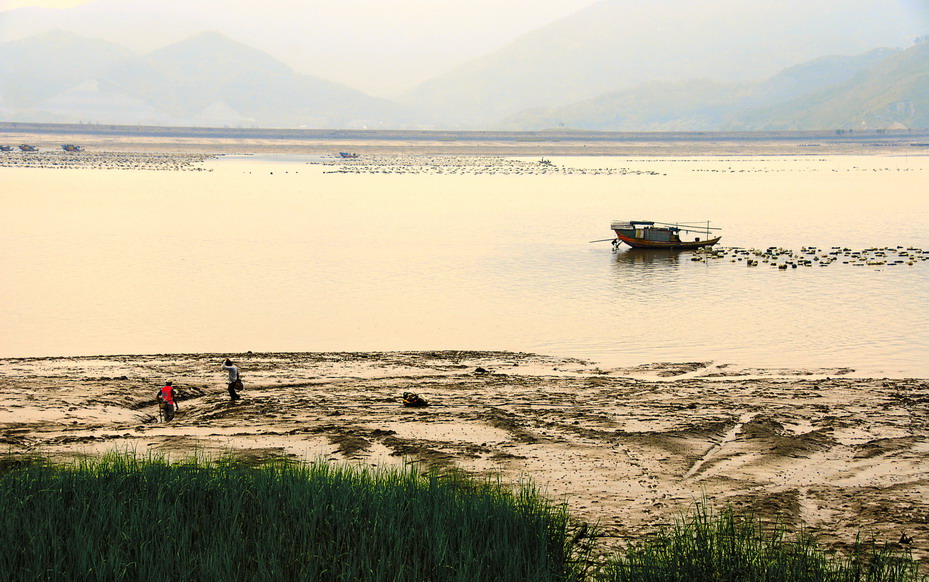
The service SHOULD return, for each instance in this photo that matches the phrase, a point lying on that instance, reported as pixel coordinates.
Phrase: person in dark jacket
(234, 381)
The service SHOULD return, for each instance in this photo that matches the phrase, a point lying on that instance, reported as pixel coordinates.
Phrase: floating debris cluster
(63, 160)
(467, 165)
(784, 259)
(793, 170)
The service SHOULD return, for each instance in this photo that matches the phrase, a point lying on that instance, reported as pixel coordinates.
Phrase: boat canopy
(632, 224)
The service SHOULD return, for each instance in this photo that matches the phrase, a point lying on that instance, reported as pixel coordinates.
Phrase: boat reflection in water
(659, 258)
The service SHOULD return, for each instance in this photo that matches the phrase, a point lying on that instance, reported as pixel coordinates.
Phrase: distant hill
(701, 105)
(892, 94)
(615, 45)
(208, 79)
(43, 66)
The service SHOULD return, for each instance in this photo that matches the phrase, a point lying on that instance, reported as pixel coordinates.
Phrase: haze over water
(273, 254)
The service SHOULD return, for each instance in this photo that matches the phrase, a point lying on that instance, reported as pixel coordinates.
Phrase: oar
(604, 240)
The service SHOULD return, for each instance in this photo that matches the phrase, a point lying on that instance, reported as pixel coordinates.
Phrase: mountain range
(880, 89)
(210, 79)
(616, 45)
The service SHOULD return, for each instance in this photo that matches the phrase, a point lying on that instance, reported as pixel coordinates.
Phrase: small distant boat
(648, 234)
(4, 148)
(28, 148)
(348, 155)
(70, 147)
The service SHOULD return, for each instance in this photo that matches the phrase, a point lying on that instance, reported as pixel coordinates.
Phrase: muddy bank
(630, 448)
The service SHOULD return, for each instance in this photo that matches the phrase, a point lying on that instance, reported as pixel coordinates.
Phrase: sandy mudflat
(631, 448)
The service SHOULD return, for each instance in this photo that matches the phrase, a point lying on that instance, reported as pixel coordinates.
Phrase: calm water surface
(269, 254)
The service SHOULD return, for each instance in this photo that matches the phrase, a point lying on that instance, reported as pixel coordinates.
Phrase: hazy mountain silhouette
(212, 80)
(703, 105)
(142, 28)
(892, 94)
(42, 66)
(618, 44)
(206, 80)
(375, 46)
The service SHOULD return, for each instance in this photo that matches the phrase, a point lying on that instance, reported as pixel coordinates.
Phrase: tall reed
(121, 518)
(706, 547)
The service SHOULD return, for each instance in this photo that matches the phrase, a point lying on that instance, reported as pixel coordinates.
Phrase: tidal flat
(631, 449)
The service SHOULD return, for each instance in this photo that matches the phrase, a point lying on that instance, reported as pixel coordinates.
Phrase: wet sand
(629, 448)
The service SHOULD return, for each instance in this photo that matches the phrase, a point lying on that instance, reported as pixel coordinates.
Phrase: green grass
(703, 546)
(123, 518)
(120, 518)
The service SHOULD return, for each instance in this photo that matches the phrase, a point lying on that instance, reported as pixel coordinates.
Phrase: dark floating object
(812, 256)
(411, 399)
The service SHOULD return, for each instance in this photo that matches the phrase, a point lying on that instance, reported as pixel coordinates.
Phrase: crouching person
(166, 401)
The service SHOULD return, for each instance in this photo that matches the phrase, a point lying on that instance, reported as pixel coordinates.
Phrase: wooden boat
(648, 234)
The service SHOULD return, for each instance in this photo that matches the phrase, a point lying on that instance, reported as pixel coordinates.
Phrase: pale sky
(548, 9)
(10, 4)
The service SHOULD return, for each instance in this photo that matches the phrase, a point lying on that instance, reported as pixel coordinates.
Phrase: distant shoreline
(553, 142)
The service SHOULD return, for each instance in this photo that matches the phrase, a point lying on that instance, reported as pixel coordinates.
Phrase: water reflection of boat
(648, 234)
(648, 258)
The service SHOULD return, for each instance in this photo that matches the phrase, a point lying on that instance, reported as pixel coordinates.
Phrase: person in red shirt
(166, 400)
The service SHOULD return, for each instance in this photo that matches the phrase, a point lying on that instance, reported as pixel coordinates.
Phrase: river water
(277, 254)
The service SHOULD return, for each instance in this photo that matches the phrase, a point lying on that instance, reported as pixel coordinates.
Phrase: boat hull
(638, 243)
